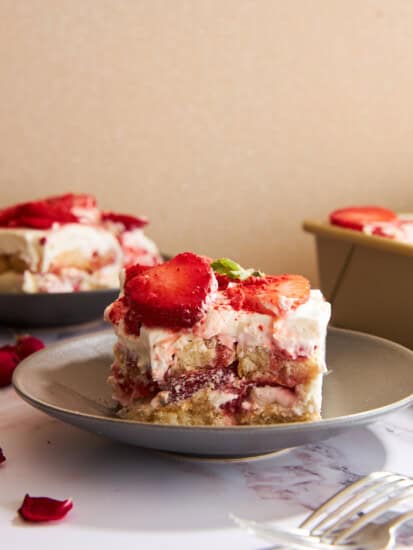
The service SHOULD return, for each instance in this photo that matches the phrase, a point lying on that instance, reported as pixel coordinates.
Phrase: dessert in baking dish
(376, 221)
(204, 342)
(65, 244)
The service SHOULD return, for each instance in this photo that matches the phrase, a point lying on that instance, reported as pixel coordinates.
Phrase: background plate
(370, 377)
(58, 309)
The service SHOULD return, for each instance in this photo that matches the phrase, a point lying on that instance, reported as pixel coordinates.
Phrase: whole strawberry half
(271, 295)
(172, 295)
(356, 217)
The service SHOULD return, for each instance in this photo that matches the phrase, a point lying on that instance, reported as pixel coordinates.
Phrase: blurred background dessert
(227, 123)
(65, 243)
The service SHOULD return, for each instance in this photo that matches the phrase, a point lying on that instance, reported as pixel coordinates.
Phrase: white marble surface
(135, 499)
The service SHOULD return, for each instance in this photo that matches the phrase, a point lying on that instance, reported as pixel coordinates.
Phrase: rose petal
(2, 457)
(26, 345)
(8, 362)
(44, 508)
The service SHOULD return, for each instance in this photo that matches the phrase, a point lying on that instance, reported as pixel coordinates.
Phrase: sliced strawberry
(173, 294)
(133, 270)
(129, 222)
(32, 222)
(358, 216)
(7, 215)
(54, 211)
(43, 214)
(70, 201)
(271, 295)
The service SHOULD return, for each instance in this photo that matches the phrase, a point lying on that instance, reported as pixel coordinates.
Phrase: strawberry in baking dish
(375, 221)
(208, 342)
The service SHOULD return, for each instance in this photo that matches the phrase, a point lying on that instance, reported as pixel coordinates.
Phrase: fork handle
(400, 519)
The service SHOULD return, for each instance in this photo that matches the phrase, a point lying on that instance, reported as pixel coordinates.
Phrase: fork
(344, 520)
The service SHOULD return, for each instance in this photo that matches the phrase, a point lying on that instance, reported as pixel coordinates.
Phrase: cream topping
(25, 243)
(136, 239)
(39, 248)
(301, 332)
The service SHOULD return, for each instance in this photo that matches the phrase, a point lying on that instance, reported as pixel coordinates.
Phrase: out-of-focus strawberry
(356, 217)
(129, 222)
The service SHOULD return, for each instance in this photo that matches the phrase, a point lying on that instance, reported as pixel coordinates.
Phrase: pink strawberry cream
(208, 342)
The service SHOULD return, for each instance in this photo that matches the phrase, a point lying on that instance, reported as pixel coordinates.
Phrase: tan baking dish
(367, 279)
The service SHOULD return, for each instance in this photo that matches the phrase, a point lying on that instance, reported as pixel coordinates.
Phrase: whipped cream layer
(137, 247)
(298, 333)
(55, 258)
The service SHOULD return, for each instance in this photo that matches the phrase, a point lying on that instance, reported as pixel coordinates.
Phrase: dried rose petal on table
(8, 362)
(38, 509)
(11, 355)
(26, 345)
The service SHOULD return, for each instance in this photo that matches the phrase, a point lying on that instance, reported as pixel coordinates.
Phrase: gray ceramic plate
(370, 377)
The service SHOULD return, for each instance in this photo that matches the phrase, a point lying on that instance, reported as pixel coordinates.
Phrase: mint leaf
(225, 266)
(231, 269)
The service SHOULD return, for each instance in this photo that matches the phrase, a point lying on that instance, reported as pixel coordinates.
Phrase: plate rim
(337, 421)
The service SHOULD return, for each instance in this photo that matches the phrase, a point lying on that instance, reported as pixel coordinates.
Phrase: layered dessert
(376, 221)
(66, 244)
(202, 342)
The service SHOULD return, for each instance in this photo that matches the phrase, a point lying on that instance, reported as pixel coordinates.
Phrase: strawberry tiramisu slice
(208, 342)
(376, 221)
(63, 244)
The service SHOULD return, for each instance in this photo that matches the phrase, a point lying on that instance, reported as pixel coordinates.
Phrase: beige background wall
(225, 121)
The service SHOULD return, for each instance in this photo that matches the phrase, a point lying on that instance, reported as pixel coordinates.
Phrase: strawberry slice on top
(270, 295)
(356, 217)
(172, 295)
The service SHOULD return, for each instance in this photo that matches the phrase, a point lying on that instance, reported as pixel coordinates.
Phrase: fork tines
(367, 498)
